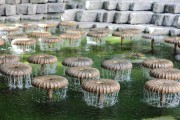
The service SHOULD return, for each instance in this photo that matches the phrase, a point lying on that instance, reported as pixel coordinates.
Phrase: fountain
(10, 38)
(96, 38)
(162, 93)
(117, 69)
(7, 30)
(48, 64)
(48, 27)
(65, 25)
(77, 31)
(23, 45)
(173, 40)
(76, 62)
(122, 35)
(137, 33)
(51, 44)
(26, 27)
(17, 75)
(154, 38)
(39, 35)
(166, 73)
(71, 40)
(77, 75)
(150, 64)
(56, 87)
(101, 93)
(7, 58)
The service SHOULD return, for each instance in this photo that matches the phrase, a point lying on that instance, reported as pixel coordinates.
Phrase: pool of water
(18, 105)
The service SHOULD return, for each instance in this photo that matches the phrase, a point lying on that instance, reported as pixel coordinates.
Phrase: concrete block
(2, 2)
(38, 1)
(158, 7)
(37, 17)
(122, 17)
(2, 10)
(172, 8)
(123, 6)
(110, 5)
(10, 10)
(157, 19)
(140, 17)
(86, 16)
(32, 9)
(141, 6)
(168, 19)
(93, 5)
(12, 1)
(108, 16)
(41, 8)
(25, 1)
(22, 9)
(13, 18)
(176, 22)
(55, 7)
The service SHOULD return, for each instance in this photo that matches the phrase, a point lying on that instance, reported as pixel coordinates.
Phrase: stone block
(2, 10)
(86, 16)
(123, 6)
(25, 1)
(37, 17)
(32, 9)
(70, 6)
(13, 18)
(52, 1)
(101, 25)
(93, 5)
(2, 2)
(168, 19)
(38, 1)
(2, 19)
(157, 19)
(172, 8)
(108, 16)
(141, 6)
(22, 9)
(110, 5)
(158, 30)
(25, 17)
(176, 22)
(158, 7)
(174, 32)
(85, 25)
(99, 17)
(55, 7)
(41, 8)
(69, 14)
(59, 1)
(121, 17)
(53, 16)
(12, 1)
(80, 6)
(10, 10)
(140, 17)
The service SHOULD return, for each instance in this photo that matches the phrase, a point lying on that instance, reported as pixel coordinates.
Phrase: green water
(17, 104)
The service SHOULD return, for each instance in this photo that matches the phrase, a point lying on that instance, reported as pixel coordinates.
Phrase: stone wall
(162, 17)
(15, 10)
